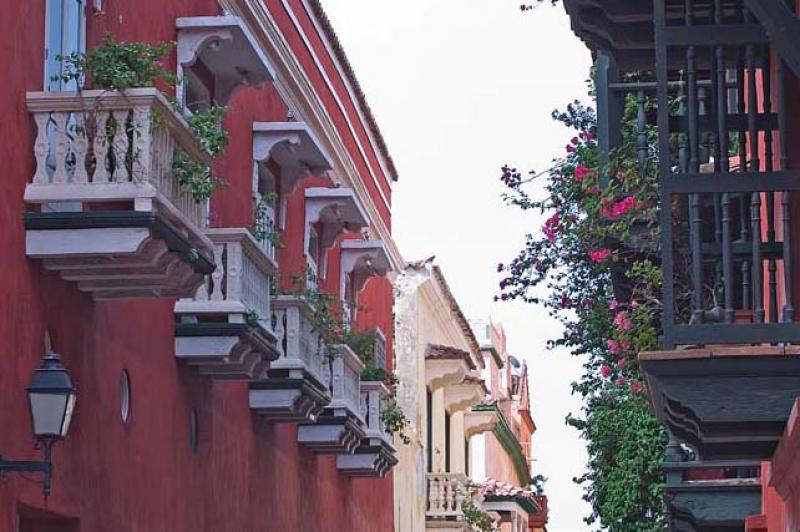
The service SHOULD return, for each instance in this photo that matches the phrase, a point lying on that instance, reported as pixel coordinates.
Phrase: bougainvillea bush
(594, 265)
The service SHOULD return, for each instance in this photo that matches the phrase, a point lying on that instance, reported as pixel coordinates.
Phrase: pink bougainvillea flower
(622, 322)
(552, 227)
(620, 380)
(637, 387)
(614, 304)
(600, 255)
(605, 371)
(621, 363)
(587, 136)
(570, 148)
(581, 172)
(634, 304)
(619, 209)
(613, 347)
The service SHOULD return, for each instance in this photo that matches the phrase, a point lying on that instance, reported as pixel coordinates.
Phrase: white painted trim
(298, 27)
(329, 48)
(297, 92)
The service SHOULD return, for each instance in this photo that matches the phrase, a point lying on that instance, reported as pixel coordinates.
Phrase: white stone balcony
(295, 389)
(225, 329)
(340, 428)
(111, 215)
(446, 493)
(375, 456)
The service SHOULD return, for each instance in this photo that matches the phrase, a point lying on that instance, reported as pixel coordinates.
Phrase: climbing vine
(594, 265)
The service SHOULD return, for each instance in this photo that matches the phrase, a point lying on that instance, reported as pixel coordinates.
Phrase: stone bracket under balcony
(729, 403)
(226, 49)
(511, 509)
(116, 254)
(295, 388)
(226, 350)
(445, 365)
(341, 426)
(111, 215)
(225, 327)
(482, 418)
(715, 503)
(336, 209)
(293, 146)
(363, 259)
(376, 454)
(467, 393)
(368, 461)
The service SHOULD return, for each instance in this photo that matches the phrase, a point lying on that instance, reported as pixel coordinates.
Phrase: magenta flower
(614, 304)
(605, 371)
(622, 322)
(619, 209)
(581, 172)
(620, 381)
(637, 387)
(621, 363)
(613, 346)
(570, 148)
(600, 255)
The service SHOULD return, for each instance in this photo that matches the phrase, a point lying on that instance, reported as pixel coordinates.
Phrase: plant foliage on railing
(119, 66)
(597, 242)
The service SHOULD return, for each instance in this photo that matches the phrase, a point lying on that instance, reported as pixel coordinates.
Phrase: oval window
(125, 396)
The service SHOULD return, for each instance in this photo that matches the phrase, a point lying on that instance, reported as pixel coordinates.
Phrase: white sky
(460, 87)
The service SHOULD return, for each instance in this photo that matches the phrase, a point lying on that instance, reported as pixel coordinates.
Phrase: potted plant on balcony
(115, 67)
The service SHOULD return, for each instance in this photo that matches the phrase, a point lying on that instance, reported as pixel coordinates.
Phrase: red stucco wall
(247, 474)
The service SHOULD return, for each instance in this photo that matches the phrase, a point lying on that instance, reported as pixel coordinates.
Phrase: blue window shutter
(65, 34)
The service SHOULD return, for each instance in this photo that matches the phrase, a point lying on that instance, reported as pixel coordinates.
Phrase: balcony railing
(340, 428)
(99, 146)
(344, 375)
(114, 217)
(375, 456)
(296, 387)
(446, 493)
(226, 329)
(725, 180)
(300, 343)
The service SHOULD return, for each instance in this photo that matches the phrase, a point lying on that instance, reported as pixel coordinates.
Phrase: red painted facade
(246, 474)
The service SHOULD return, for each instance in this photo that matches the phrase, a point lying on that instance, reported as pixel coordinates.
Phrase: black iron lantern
(51, 398)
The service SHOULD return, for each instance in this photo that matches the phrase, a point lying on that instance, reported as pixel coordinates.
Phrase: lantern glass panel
(47, 413)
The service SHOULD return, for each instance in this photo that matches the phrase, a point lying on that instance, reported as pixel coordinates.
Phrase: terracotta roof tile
(446, 352)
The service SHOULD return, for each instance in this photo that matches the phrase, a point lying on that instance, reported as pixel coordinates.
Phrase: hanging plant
(115, 65)
(394, 420)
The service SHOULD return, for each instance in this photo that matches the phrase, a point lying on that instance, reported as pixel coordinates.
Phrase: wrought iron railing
(725, 178)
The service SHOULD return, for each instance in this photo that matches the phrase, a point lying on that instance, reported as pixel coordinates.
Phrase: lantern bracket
(29, 466)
